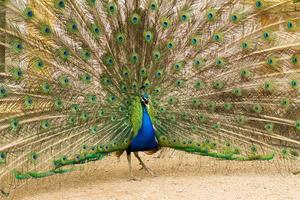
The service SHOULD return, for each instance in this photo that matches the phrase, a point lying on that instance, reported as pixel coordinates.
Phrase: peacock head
(145, 99)
(144, 96)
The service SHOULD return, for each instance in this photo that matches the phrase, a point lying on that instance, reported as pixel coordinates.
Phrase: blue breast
(145, 139)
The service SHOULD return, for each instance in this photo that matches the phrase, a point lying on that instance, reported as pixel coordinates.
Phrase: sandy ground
(179, 176)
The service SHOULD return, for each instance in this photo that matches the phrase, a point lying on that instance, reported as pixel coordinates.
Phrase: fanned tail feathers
(223, 79)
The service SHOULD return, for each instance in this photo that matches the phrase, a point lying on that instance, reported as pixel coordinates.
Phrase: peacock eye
(27, 13)
(266, 35)
(298, 124)
(2, 156)
(258, 4)
(30, 13)
(19, 73)
(61, 4)
(210, 15)
(34, 156)
(74, 27)
(216, 37)
(270, 61)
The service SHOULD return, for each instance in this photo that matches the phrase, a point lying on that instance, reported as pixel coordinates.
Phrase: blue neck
(145, 139)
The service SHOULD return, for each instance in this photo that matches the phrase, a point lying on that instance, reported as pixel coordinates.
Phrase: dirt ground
(179, 176)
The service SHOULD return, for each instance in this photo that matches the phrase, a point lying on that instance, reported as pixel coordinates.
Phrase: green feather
(136, 115)
(3, 91)
(60, 4)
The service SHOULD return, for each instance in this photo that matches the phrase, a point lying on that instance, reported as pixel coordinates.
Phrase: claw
(150, 171)
(144, 167)
(133, 178)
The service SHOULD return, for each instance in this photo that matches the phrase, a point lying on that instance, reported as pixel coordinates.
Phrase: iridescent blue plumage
(145, 139)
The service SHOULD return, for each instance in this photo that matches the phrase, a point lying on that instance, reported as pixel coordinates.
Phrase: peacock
(86, 79)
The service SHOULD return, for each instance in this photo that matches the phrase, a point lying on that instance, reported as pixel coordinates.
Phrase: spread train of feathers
(223, 79)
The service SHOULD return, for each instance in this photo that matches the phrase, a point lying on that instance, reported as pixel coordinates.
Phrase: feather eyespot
(61, 4)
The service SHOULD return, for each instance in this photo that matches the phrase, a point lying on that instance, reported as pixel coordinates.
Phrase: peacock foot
(150, 171)
(134, 178)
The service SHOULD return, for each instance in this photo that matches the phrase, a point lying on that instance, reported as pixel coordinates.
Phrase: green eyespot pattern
(135, 19)
(28, 13)
(60, 4)
(3, 91)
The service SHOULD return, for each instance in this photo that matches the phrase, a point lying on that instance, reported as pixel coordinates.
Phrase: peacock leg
(136, 154)
(131, 177)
